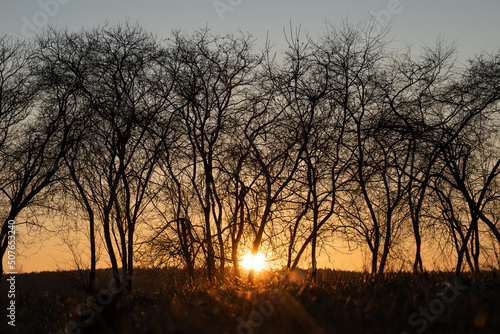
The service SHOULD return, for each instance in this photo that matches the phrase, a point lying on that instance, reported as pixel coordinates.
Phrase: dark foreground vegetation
(339, 302)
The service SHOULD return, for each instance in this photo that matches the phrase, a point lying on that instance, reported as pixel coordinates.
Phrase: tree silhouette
(189, 151)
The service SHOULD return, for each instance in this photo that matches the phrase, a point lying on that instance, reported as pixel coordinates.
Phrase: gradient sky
(474, 27)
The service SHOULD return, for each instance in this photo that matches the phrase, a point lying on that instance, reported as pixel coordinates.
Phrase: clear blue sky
(473, 25)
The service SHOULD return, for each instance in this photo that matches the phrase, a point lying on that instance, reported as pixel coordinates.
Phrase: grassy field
(339, 302)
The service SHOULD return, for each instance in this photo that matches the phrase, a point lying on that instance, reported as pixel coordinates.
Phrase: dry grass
(340, 302)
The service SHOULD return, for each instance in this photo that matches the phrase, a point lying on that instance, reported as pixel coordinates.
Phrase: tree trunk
(387, 243)
(93, 256)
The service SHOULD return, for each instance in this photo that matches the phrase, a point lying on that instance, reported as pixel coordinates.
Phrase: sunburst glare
(257, 262)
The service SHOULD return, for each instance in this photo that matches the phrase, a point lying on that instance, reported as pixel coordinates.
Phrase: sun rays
(257, 262)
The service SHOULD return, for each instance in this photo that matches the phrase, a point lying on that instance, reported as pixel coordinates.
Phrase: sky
(473, 26)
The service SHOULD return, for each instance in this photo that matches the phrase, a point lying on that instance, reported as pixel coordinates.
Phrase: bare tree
(63, 66)
(472, 167)
(306, 83)
(212, 72)
(279, 132)
(410, 87)
(17, 93)
(114, 164)
(374, 192)
(35, 151)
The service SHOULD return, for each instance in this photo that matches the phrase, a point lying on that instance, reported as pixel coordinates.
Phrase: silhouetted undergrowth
(338, 302)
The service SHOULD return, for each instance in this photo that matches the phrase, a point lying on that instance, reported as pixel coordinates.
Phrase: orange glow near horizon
(257, 262)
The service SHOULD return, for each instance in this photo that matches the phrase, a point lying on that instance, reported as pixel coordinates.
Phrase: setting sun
(257, 262)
